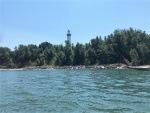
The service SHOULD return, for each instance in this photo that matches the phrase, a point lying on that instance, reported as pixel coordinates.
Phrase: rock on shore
(109, 66)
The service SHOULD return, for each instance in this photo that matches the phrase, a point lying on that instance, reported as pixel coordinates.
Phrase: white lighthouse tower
(69, 36)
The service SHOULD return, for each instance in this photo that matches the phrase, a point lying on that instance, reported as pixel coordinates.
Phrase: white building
(69, 36)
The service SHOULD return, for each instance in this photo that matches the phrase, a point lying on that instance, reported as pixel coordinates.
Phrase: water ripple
(74, 91)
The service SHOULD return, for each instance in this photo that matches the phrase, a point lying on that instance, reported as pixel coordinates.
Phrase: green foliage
(38, 62)
(131, 44)
(69, 54)
(134, 57)
(143, 51)
(79, 54)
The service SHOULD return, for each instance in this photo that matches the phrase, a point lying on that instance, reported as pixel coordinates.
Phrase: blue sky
(35, 21)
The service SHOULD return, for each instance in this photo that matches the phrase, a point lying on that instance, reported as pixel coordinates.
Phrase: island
(121, 49)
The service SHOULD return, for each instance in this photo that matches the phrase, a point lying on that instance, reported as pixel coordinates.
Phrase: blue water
(74, 91)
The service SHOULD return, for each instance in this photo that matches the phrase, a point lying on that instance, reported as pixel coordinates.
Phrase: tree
(79, 54)
(38, 62)
(143, 50)
(69, 54)
(90, 57)
(4, 55)
(134, 57)
(11, 64)
(60, 59)
(45, 45)
(131, 44)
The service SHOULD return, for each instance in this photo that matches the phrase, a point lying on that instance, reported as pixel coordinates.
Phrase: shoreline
(106, 66)
(12, 69)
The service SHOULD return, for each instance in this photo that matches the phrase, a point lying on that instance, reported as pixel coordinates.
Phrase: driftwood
(145, 67)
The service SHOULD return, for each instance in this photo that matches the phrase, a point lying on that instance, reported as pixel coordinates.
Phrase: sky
(36, 21)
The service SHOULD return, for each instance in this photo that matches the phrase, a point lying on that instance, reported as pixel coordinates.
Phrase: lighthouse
(69, 36)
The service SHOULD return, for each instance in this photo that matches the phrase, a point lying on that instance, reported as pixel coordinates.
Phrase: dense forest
(130, 44)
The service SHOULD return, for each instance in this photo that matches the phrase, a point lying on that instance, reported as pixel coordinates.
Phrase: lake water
(74, 91)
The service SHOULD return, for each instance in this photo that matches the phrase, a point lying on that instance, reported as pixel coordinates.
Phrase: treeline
(130, 44)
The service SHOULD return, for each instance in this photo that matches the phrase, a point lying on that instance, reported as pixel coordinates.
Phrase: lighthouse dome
(68, 33)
